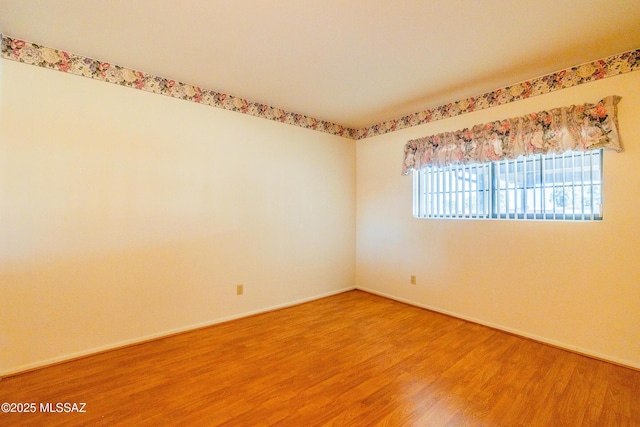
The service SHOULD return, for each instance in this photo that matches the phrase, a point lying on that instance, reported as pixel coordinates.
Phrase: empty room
(348, 213)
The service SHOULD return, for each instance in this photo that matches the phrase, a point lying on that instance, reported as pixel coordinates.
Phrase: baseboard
(564, 346)
(135, 341)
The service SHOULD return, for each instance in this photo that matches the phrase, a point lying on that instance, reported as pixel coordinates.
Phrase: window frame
(535, 184)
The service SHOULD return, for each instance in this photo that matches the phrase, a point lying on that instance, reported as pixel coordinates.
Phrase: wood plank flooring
(352, 359)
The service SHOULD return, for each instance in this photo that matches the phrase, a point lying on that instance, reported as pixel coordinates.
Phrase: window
(543, 187)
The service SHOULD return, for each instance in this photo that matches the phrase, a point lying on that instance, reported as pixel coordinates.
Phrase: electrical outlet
(413, 280)
(239, 289)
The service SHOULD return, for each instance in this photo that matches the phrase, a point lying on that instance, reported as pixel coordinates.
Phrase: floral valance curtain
(578, 127)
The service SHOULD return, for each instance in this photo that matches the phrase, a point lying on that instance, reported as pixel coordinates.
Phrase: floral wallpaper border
(580, 74)
(56, 59)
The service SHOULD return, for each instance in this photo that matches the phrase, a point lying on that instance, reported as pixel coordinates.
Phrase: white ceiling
(351, 62)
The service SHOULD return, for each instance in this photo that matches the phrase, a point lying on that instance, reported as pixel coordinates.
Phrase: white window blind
(537, 187)
(456, 191)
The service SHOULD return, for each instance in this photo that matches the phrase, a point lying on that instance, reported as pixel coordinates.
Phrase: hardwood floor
(350, 359)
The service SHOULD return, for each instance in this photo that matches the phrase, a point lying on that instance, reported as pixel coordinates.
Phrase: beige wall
(572, 284)
(126, 215)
